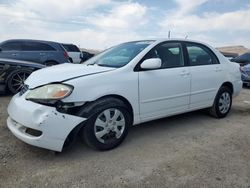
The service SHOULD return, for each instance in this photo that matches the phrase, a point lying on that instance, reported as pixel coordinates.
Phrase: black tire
(50, 63)
(16, 80)
(93, 111)
(216, 109)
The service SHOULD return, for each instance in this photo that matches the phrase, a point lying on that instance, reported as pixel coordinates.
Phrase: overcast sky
(98, 24)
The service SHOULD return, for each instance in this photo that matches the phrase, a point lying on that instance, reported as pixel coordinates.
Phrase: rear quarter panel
(231, 73)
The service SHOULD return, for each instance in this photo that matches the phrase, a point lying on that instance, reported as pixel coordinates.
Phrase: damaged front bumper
(40, 125)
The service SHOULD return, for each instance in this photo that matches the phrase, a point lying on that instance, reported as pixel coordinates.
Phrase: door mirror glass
(152, 63)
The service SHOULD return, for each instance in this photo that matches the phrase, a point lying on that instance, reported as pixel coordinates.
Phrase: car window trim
(139, 69)
(204, 46)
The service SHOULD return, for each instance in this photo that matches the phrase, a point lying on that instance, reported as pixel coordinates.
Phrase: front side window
(11, 46)
(200, 55)
(170, 54)
(120, 55)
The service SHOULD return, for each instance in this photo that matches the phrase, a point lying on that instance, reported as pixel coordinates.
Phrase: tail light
(66, 55)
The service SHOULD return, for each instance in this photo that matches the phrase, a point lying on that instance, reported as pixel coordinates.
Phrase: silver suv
(43, 52)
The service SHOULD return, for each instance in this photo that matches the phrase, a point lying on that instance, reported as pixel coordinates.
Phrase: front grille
(248, 73)
(23, 89)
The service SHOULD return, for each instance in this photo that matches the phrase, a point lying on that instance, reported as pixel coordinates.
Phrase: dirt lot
(190, 150)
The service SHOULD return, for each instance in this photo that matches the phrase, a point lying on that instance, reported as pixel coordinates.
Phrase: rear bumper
(53, 125)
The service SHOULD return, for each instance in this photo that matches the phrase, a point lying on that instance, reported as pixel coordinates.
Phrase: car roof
(180, 40)
(68, 44)
(31, 40)
(159, 40)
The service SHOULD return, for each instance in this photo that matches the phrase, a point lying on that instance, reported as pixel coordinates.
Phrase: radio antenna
(169, 33)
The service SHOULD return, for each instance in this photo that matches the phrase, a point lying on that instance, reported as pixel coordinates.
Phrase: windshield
(120, 55)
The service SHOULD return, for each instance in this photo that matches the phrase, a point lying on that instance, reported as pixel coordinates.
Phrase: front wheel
(108, 126)
(16, 80)
(222, 103)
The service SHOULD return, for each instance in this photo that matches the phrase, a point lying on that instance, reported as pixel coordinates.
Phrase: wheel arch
(75, 131)
(123, 99)
(229, 85)
(51, 61)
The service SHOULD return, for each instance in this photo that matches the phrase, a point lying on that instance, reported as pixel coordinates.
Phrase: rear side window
(169, 53)
(71, 48)
(11, 46)
(200, 55)
(36, 46)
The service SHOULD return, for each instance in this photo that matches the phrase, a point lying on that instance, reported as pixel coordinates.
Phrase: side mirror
(1, 49)
(153, 63)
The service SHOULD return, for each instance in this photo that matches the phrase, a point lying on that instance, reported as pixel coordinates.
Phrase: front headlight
(49, 92)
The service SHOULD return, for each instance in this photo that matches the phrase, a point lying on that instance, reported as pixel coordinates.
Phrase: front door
(164, 91)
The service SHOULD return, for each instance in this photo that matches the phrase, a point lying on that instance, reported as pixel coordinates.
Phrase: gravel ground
(189, 150)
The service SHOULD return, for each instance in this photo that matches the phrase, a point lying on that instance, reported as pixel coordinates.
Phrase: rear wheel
(222, 103)
(108, 124)
(16, 80)
(50, 63)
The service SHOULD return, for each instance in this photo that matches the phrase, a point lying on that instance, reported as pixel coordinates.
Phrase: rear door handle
(14, 54)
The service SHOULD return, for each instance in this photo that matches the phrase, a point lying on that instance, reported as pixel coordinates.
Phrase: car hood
(63, 72)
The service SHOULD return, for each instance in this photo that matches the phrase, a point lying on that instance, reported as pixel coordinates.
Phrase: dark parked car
(244, 58)
(43, 52)
(85, 56)
(13, 73)
(244, 61)
(245, 74)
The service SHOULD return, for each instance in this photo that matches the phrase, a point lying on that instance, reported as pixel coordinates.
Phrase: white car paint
(73, 52)
(75, 56)
(152, 94)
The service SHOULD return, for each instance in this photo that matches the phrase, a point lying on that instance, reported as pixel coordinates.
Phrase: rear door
(10, 49)
(164, 91)
(36, 51)
(207, 75)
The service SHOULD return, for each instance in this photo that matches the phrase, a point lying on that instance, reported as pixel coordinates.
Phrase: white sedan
(128, 84)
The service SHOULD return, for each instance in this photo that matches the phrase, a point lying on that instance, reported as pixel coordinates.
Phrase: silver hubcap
(224, 102)
(109, 125)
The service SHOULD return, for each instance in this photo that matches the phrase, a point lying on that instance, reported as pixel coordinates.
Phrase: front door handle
(185, 73)
(218, 69)
(14, 54)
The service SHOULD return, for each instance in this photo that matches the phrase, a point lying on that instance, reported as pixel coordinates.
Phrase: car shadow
(138, 135)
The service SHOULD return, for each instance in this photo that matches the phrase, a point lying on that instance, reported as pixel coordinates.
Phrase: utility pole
(169, 34)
